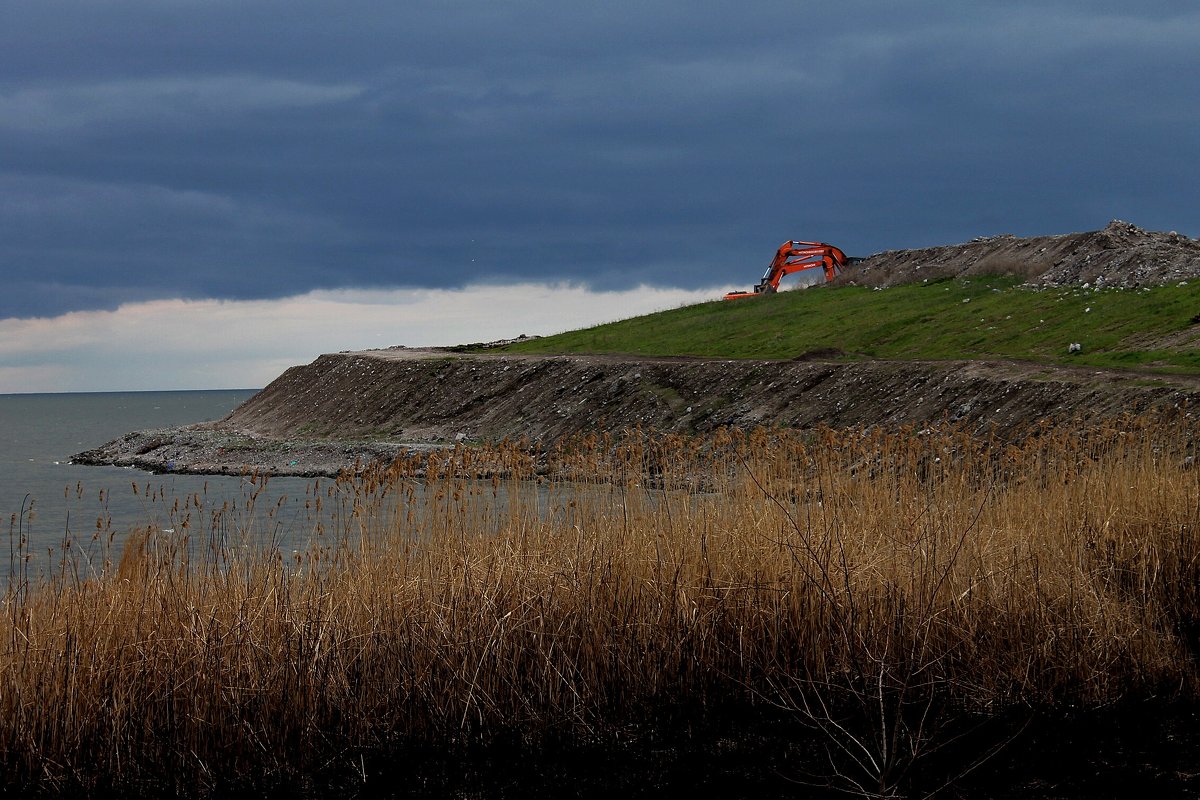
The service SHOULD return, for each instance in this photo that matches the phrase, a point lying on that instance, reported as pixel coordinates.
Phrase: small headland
(994, 334)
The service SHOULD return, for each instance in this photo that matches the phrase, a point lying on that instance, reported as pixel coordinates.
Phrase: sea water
(45, 499)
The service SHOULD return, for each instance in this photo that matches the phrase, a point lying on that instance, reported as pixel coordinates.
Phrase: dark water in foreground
(40, 432)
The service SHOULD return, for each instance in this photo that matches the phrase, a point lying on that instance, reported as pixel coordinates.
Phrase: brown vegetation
(879, 588)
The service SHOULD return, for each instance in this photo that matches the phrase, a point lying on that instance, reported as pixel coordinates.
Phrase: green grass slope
(1156, 329)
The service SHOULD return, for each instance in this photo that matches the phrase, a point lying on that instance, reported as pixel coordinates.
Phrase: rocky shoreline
(208, 450)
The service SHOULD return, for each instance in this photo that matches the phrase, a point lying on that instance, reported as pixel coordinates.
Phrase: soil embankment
(355, 407)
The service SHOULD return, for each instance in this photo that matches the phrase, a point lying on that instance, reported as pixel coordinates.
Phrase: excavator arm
(797, 256)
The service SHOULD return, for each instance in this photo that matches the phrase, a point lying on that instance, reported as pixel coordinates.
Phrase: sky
(200, 193)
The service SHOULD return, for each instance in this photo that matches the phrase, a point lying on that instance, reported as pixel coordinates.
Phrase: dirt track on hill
(352, 408)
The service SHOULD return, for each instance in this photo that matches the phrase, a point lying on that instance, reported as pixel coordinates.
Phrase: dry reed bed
(873, 584)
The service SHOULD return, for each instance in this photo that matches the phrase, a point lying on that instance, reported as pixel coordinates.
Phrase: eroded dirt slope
(318, 418)
(428, 395)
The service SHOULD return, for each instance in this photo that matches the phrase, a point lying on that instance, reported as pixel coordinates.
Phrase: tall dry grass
(877, 586)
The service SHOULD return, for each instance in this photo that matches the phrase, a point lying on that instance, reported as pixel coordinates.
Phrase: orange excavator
(794, 256)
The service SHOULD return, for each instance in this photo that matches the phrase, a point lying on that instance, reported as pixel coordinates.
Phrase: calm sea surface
(40, 432)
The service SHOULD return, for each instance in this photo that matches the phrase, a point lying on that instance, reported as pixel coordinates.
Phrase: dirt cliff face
(428, 396)
(357, 407)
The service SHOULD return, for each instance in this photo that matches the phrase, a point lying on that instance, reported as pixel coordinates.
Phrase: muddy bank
(352, 408)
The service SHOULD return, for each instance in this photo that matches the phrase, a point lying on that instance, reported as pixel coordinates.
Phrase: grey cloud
(180, 99)
(73, 244)
(255, 149)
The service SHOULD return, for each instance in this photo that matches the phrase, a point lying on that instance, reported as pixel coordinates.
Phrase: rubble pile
(1121, 255)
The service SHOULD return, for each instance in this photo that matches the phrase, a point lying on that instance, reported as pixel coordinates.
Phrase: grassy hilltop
(983, 317)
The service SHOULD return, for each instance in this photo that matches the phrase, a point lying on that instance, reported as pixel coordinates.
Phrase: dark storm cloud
(256, 149)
